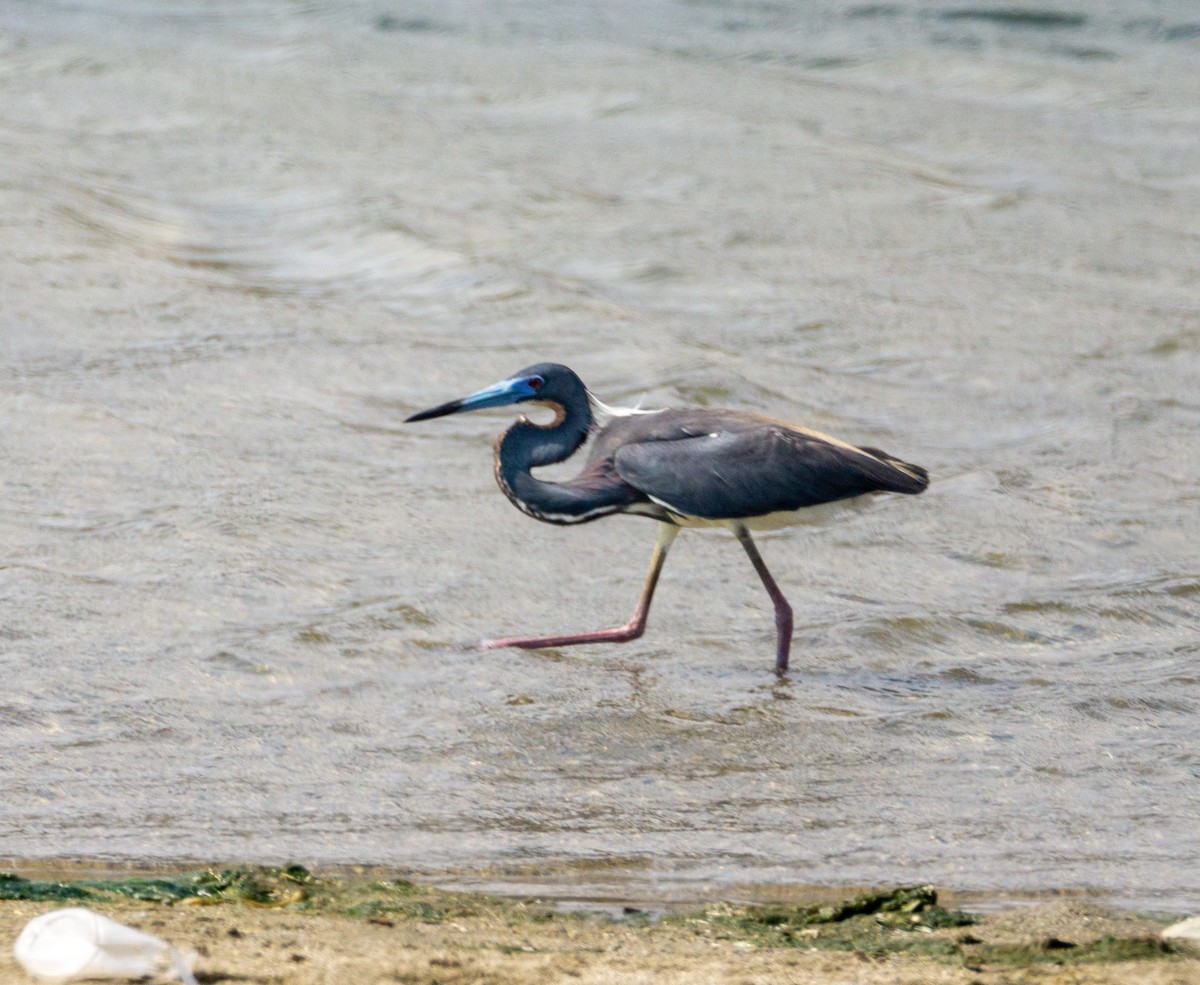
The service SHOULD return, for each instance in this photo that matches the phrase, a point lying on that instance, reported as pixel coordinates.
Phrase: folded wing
(741, 471)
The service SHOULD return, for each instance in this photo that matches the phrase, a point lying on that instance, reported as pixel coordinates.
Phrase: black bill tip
(453, 407)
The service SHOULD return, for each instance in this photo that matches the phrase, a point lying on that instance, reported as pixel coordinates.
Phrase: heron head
(547, 383)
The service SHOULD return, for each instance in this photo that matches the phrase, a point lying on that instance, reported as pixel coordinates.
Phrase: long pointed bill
(497, 395)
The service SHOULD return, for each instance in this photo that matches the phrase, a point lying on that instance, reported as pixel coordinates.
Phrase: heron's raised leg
(619, 634)
(783, 611)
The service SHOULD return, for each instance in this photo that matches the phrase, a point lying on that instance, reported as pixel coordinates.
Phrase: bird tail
(901, 477)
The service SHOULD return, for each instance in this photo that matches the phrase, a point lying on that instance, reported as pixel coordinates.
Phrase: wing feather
(745, 471)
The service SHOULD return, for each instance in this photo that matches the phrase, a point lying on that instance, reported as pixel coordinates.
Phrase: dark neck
(527, 446)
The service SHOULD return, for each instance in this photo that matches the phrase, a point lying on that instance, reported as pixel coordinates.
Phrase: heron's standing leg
(619, 634)
(783, 611)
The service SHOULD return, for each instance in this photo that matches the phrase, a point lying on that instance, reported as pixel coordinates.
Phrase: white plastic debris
(75, 943)
(1188, 929)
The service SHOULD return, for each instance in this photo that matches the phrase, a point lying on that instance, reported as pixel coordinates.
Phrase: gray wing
(744, 473)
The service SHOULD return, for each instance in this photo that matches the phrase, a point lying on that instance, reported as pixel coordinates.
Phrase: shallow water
(243, 241)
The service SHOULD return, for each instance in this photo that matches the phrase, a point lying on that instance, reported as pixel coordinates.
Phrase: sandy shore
(396, 932)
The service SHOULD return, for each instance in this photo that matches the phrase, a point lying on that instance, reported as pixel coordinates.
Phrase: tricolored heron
(685, 467)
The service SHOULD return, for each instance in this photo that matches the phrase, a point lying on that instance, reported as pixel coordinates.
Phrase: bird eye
(535, 382)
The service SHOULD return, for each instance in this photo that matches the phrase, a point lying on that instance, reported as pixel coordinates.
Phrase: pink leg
(619, 634)
(783, 611)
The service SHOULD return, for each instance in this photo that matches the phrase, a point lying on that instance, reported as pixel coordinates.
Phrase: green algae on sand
(902, 921)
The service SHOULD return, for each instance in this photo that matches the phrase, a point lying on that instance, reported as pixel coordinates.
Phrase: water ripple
(291, 242)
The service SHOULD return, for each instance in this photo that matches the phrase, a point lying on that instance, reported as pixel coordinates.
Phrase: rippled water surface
(242, 241)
